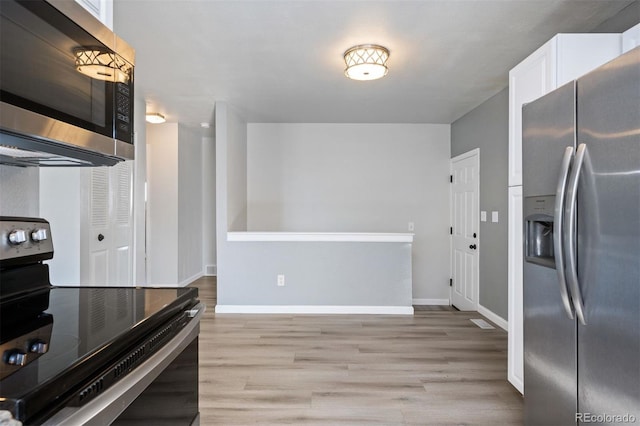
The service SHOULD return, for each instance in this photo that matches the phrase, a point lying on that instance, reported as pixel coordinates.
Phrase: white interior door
(109, 233)
(465, 188)
(121, 268)
(97, 237)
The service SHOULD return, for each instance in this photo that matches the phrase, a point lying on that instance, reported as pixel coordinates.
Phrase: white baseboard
(210, 270)
(494, 318)
(424, 302)
(313, 309)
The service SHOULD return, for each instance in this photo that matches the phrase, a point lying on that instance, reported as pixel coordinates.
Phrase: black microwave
(66, 87)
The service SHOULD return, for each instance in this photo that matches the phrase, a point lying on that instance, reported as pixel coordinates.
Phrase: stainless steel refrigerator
(581, 187)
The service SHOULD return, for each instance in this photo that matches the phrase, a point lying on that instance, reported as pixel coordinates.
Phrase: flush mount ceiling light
(155, 118)
(102, 64)
(366, 62)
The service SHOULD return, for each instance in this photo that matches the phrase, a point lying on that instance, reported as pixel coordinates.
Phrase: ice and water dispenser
(538, 230)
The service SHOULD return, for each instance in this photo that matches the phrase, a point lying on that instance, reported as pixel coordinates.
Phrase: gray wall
(330, 177)
(622, 21)
(323, 273)
(231, 192)
(318, 273)
(486, 127)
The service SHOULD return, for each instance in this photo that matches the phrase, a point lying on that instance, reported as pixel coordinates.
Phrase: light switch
(494, 216)
(483, 216)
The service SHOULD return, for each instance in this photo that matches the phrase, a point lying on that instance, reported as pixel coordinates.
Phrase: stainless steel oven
(66, 87)
(91, 355)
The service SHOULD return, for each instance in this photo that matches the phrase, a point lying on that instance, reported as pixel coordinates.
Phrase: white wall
(139, 206)
(356, 177)
(174, 213)
(209, 205)
(60, 203)
(190, 235)
(174, 219)
(162, 207)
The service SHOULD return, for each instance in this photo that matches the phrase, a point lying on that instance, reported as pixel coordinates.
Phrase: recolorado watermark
(605, 418)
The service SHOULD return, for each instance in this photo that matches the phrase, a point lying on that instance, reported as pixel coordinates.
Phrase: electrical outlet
(281, 280)
(411, 226)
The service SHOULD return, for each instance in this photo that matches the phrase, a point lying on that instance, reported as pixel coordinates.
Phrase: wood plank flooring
(435, 368)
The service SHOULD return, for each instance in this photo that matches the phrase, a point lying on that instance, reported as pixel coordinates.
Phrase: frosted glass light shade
(366, 62)
(155, 118)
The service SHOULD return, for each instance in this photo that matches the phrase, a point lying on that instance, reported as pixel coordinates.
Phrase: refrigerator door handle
(570, 233)
(558, 221)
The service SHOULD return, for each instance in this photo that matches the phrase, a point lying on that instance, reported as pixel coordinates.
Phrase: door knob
(473, 247)
(100, 237)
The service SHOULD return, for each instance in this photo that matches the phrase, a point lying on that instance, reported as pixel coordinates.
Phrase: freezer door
(608, 243)
(549, 335)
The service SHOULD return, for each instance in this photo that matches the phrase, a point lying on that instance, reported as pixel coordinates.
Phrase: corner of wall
(231, 182)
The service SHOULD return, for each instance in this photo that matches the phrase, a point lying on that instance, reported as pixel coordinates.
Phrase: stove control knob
(38, 346)
(39, 235)
(15, 357)
(17, 236)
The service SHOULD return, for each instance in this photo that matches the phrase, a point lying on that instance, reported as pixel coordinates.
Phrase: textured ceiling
(281, 61)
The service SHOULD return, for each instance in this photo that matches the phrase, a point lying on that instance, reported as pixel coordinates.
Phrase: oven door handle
(106, 408)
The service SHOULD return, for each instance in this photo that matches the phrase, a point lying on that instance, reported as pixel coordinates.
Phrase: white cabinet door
(101, 9)
(562, 59)
(577, 54)
(631, 38)
(515, 369)
(532, 78)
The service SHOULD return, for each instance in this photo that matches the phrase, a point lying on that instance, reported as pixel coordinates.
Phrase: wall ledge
(313, 309)
(357, 237)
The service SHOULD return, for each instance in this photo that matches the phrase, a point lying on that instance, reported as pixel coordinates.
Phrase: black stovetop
(92, 326)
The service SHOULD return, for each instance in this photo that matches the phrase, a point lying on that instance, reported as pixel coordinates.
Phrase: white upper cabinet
(563, 58)
(101, 9)
(631, 38)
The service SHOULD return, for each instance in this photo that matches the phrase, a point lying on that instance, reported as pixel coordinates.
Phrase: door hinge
(451, 230)
(451, 178)
(450, 282)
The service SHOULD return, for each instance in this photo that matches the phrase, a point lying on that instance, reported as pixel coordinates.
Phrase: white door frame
(476, 225)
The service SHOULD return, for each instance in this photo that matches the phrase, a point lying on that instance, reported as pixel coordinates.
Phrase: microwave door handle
(558, 222)
(570, 233)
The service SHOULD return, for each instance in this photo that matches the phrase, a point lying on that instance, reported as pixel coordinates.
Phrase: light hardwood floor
(435, 368)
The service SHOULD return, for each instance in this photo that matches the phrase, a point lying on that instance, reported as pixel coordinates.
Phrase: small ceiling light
(366, 62)
(155, 118)
(102, 64)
